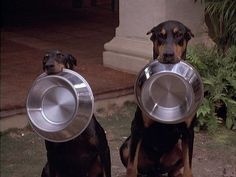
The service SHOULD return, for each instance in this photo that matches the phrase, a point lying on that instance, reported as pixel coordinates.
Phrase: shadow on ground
(23, 152)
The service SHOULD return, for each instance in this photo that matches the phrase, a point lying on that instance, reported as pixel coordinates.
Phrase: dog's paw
(188, 175)
(175, 175)
(179, 175)
(131, 173)
(187, 172)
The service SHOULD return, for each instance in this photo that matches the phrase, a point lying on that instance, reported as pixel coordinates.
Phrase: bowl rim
(138, 91)
(53, 135)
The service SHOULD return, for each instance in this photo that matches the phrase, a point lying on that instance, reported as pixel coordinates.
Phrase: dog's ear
(45, 59)
(69, 61)
(153, 36)
(188, 34)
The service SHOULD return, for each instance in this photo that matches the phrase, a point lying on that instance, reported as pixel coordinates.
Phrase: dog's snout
(49, 66)
(168, 57)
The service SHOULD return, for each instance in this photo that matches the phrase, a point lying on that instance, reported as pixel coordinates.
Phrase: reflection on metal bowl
(169, 93)
(60, 107)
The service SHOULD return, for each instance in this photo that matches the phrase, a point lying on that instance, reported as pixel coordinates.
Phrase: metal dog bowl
(169, 93)
(60, 107)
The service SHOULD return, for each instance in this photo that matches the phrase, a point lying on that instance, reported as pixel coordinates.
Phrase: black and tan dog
(87, 155)
(154, 148)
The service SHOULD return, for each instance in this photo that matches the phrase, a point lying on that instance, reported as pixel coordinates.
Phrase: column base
(126, 54)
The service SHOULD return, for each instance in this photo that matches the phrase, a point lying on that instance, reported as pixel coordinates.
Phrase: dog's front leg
(187, 169)
(137, 128)
(187, 145)
(132, 166)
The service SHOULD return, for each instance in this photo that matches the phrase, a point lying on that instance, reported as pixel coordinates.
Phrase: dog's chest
(160, 138)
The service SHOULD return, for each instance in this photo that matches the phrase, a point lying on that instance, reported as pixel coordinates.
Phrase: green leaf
(208, 81)
(229, 123)
(232, 83)
(204, 109)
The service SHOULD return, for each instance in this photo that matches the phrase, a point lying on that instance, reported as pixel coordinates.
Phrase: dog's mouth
(52, 71)
(168, 60)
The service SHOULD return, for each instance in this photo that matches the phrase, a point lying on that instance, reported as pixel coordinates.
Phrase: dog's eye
(178, 35)
(161, 36)
(58, 53)
(45, 58)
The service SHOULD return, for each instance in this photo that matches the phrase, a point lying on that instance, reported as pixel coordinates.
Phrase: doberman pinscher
(88, 154)
(155, 148)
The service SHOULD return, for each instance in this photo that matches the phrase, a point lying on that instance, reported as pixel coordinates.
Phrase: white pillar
(131, 48)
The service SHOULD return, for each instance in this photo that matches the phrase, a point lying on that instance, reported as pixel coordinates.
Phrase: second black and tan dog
(154, 148)
(88, 154)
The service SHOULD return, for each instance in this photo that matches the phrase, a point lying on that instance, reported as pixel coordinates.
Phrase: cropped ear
(44, 61)
(153, 36)
(150, 31)
(69, 61)
(188, 35)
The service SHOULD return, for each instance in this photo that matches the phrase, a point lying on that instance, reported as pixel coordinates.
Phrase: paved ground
(81, 32)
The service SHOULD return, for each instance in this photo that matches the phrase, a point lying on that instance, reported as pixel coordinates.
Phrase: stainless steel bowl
(169, 93)
(60, 107)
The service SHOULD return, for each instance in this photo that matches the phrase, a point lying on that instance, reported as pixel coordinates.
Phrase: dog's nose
(168, 57)
(49, 66)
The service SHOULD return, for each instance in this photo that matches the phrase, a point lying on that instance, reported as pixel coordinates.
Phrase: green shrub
(218, 73)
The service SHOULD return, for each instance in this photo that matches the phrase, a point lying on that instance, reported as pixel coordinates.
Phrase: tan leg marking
(132, 168)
